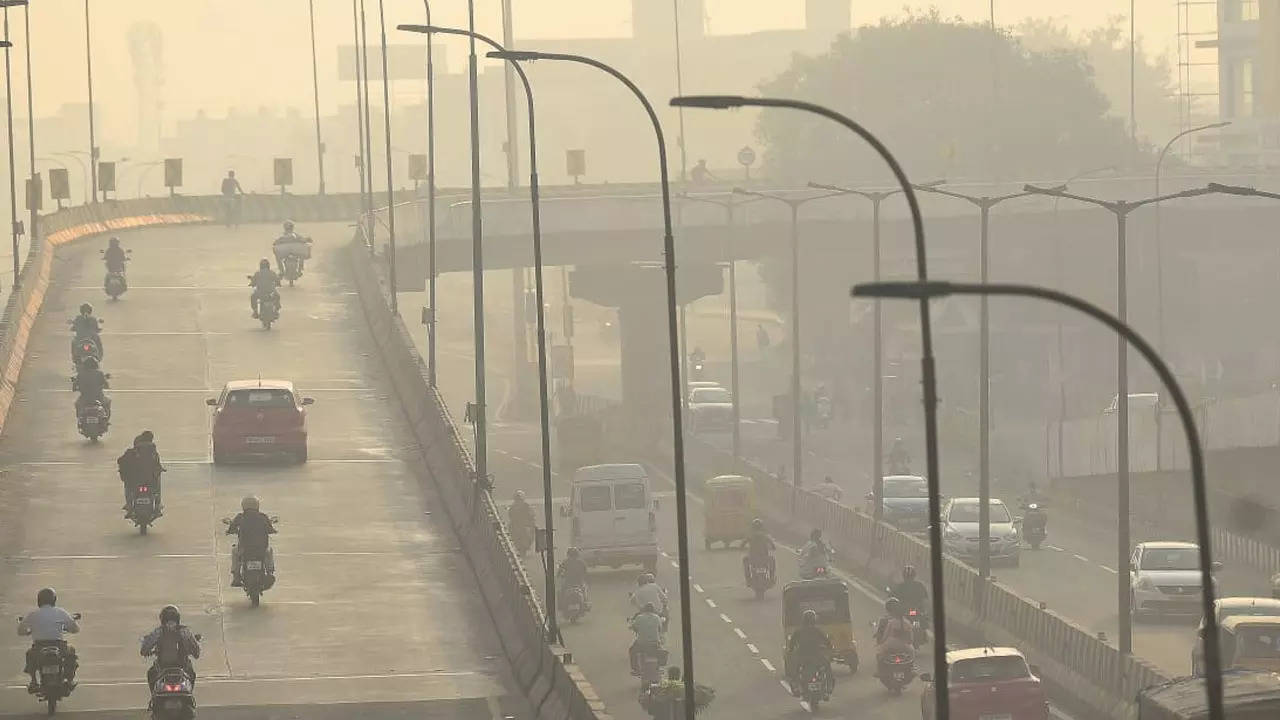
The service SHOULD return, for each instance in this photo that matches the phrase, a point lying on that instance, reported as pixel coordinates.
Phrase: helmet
(264, 264)
(46, 596)
(147, 436)
(170, 613)
(809, 618)
(90, 363)
(757, 524)
(250, 502)
(893, 606)
(649, 579)
(573, 552)
(86, 309)
(114, 242)
(908, 572)
(288, 226)
(649, 608)
(519, 496)
(815, 535)
(673, 672)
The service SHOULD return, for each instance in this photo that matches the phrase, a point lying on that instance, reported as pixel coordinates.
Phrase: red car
(989, 683)
(259, 418)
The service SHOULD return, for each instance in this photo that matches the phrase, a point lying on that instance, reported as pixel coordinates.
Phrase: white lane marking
(222, 680)
(312, 461)
(739, 633)
(1109, 569)
(697, 587)
(74, 557)
(768, 665)
(754, 650)
(1054, 548)
(675, 564)
(726, 618)
(1081, 558)
(665, 554)
(517, 458)
(711, 603)
(785, 686)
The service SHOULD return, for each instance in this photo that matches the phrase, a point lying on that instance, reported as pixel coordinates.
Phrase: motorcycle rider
(86, 327)
(647, 625)
(894, 633)
(173, 644)
(806, 646)
(520, 517)
(45, 625)
(280, 248)
(760, 548)
(114, 256)
(573, 572)
(140, 465)
(252, 530)
(911, 592)
(815, 554)
(649, 592)
(264, 284)
(899, 458)
(1033, 495)
(92, 384)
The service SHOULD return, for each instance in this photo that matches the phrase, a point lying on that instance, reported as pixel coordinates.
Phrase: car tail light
(653, 521)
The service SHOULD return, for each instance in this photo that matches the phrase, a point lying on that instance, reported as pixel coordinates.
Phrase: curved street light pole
(553, 627)
(391, 188)
(362, 156)
(677, 420)
(928, 379)
(926, 290)
(431, 200)
(315, 87)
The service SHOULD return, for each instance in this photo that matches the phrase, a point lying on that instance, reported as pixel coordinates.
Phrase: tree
(951, 99)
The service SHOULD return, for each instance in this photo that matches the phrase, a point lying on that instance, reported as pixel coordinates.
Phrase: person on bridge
(173, 644)
(46, 625)
(647, 625)
(86, 327)
(253, 531)
(140, 465)
(521, 522)
(814, 556)
(92, 384)
(760, 549)
(264, 284)
(894, 633)
(829, 490)
(649, 592)
(573, 572)
(114, 256)
(808, 646)
(911, 591)
(231, 192)
(290, 243)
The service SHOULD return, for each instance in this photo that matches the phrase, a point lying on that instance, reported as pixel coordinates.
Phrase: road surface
(375, 604)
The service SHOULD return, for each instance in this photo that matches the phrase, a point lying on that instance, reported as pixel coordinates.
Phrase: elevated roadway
(375, 613)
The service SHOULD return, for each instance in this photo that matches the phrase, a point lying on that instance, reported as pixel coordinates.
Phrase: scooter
(146, 508)
(292, 268)
(650, 666)
(93, 420)
(573, 603)
(52, 684)
(759, 578)
(253, 571)
(1035, 525)
(814, 686)
(173, 694)
(897, 670)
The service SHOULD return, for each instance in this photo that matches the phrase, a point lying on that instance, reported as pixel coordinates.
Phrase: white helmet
(250, 502)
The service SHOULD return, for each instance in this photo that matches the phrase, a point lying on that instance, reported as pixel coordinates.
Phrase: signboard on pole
(283, 172)
(173, 173)
(59, 184)
(575, 164)
(107, 177)
(417, 167)
(35, 193)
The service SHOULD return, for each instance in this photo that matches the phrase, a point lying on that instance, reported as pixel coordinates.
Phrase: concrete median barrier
(554, 687)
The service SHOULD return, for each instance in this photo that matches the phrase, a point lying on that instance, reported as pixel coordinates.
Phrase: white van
(614, 516)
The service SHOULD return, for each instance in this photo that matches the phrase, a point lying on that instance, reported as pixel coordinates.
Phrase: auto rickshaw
(829, 598)
(729, 506)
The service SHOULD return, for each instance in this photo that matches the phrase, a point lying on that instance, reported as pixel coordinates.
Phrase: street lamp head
(516, 55)
(12, 3)
(713, 102)
(903, 290)
(420, 29)
(1230, 189)
(1037, 190)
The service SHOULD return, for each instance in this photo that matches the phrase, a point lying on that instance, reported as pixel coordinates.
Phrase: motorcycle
(146, 508)
(814, 686)
(92, 420)
(573, 603)
(269, 310)
(759, 578)
(650, 666)
(522, 537)
(919, 620)
(173, 694)
(253, 571)
(292, 268)
(1035, 525)
(897, 669)
(83, 348)
(52, 684)
(114, 284)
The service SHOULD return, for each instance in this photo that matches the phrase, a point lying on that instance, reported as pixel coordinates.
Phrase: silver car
(960, 530)
(710, 409)
(1165, 578)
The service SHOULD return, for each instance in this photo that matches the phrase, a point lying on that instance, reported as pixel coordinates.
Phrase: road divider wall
(1084, 673)
(553, 685)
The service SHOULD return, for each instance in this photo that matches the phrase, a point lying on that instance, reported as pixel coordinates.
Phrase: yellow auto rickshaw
(729, 506)
(1251, 642)
(829, 598)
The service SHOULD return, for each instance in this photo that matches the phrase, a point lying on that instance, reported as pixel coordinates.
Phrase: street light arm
(926, 290)
(1242, 191)
(1060, 191)
(1194, 192)
(1184, 133)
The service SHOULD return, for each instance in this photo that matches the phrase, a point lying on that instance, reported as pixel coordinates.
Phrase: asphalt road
(375, 612)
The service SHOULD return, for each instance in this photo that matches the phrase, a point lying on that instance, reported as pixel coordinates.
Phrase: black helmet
(908, 572)
(810, 617)
(573, 552)
(147, 436)
(114, 242)
(90, 363)
(86, 309)
(757, 524)
(46, 596)
(170, 613)
(264, 264)
(815, 535)
(673, 672)
(893, 606)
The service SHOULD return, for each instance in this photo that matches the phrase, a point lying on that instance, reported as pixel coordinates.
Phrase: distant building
(1248, 64)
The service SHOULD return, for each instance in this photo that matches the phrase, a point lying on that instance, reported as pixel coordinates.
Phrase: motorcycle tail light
(172, 688)
(821, 571)
(896, 659)
(143, 488)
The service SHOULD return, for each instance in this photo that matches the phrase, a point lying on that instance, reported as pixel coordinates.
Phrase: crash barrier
(554, 687)
(33, 281)
(1082, 672)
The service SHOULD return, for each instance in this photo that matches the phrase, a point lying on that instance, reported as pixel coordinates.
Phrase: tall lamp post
(984, 205)
(877, 454)
(677, 420)
(93, 147)
(928, 380)
(553, 628)
(431, 199)
(37, 187)
(477, 255)
(1121, 209)
(8, 102)
(1159, 245)
(315, 86)
(391, 188)
(368, 127)
(926, 290)
(362, 157)
(797, 419)
(729, 205)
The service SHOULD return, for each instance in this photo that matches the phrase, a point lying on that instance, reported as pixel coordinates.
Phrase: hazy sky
(219, 53)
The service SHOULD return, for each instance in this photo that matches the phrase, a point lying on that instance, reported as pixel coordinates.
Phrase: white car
(710, 409)
(1165, 577)
(960, 530)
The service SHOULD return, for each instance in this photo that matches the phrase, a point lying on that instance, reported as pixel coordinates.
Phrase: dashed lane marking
(754, 650)
(1081, 558)
(726, 618)
(697, 587)
(739, 633)
(1109, 569)
(768, 665)
(711, 603)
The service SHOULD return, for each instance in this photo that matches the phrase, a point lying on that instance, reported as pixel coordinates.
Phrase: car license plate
(253, 565)
(173, 704)
(91, 420)
(49, 670)
(814, 687)
(143, 501)
(900, 676)
(259, 440)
